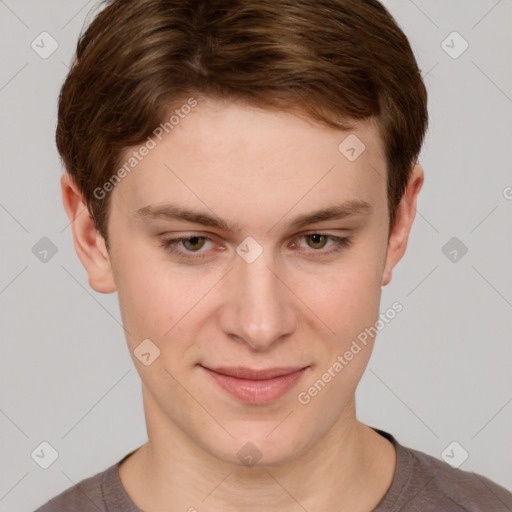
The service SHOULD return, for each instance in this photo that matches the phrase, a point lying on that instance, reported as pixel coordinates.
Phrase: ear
(406, 212)
(89, 244)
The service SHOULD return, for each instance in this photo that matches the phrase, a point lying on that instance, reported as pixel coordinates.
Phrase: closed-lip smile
(253, 374)
(256, 386)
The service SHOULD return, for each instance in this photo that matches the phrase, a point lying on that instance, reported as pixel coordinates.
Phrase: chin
(258, 445)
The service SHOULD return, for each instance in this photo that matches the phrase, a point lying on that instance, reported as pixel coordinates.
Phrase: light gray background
(440, 371)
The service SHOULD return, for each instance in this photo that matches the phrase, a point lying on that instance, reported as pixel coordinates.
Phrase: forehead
(230, 156)
(217, 131)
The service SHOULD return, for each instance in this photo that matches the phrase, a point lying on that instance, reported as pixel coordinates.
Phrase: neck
(350, 468)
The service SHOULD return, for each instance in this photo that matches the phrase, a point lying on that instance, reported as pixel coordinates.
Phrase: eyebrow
(175, 212)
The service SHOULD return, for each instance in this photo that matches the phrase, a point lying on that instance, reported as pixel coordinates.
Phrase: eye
(192, 244)
(190, 247)
(318, 241)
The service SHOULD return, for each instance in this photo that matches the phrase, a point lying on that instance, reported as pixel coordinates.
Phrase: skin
(294, 305)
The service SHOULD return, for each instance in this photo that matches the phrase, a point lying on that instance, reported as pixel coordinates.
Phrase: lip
(256, 386)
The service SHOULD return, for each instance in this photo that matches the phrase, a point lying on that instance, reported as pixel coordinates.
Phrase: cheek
(349, 305)
(346, 297)
(145, 294)
(158, 299)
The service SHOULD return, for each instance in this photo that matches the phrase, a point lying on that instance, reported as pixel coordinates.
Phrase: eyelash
(170, 245)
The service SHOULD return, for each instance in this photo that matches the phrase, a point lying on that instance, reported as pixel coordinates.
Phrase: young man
(243, 173)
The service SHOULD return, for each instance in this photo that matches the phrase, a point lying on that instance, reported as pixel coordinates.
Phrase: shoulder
(432, 483)
(85, 496)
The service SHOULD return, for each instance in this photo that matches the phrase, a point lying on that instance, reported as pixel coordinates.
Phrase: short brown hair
(333, 60)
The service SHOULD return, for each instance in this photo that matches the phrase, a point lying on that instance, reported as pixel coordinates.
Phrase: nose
(259, 308)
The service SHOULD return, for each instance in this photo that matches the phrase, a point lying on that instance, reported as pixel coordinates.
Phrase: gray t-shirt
(421, 484)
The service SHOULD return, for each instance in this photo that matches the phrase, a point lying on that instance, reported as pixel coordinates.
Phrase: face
(220, 263)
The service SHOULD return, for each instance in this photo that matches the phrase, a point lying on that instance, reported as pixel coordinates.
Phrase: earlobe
(89, 244)
(406, 213)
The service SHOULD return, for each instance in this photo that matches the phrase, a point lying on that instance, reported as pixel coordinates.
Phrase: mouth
(256, 386)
